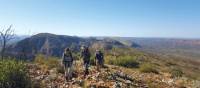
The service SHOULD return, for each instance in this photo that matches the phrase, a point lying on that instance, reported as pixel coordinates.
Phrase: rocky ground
(109, 77)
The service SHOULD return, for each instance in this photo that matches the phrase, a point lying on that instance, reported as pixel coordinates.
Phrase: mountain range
(143, 62)
(181, 48)
(54, 45)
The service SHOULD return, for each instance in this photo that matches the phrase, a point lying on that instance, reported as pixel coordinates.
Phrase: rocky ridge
(109, 77)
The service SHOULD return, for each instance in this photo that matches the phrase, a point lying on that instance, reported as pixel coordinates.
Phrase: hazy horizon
(22, 35)
(115, 18)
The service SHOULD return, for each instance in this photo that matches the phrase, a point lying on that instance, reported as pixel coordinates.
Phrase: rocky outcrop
(109, 77)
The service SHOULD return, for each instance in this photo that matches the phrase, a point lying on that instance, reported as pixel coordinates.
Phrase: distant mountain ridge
(54, 45)
(183, 48)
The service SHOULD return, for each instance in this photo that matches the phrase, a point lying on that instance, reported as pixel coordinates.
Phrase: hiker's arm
(103, 56)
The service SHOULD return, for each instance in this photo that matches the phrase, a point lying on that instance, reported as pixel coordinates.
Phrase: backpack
(86, 55)
(99, 56)
(67, 57)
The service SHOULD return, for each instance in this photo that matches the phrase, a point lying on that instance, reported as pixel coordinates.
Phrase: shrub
(51, 62)
(92, 60)
(170, 63)
(148, 68)
(125, 61)
(176, 72)
(60, 69)
(13, 74)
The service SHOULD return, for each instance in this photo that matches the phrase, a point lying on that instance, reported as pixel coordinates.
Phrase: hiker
(99, 59)
(85, 55)
(67, 61)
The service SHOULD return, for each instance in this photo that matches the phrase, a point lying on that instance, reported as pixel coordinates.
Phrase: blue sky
(128, 18)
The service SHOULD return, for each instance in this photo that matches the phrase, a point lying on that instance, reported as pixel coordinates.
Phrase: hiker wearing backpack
(99, 59)
(67, 61)
(85, 55)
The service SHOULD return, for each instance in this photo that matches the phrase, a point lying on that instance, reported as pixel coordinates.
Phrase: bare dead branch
(6, 36)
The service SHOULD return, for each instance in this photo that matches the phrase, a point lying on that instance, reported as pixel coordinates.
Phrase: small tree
(6, 36)
(46, 48)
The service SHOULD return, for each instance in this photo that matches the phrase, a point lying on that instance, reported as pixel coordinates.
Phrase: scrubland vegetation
(13, 74)
(125, 61)
(148, 68)
(47, 63)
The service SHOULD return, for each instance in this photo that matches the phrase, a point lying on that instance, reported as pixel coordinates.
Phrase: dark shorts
(67, 64)
(86, 64)
(86, 61)
(100, 62)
